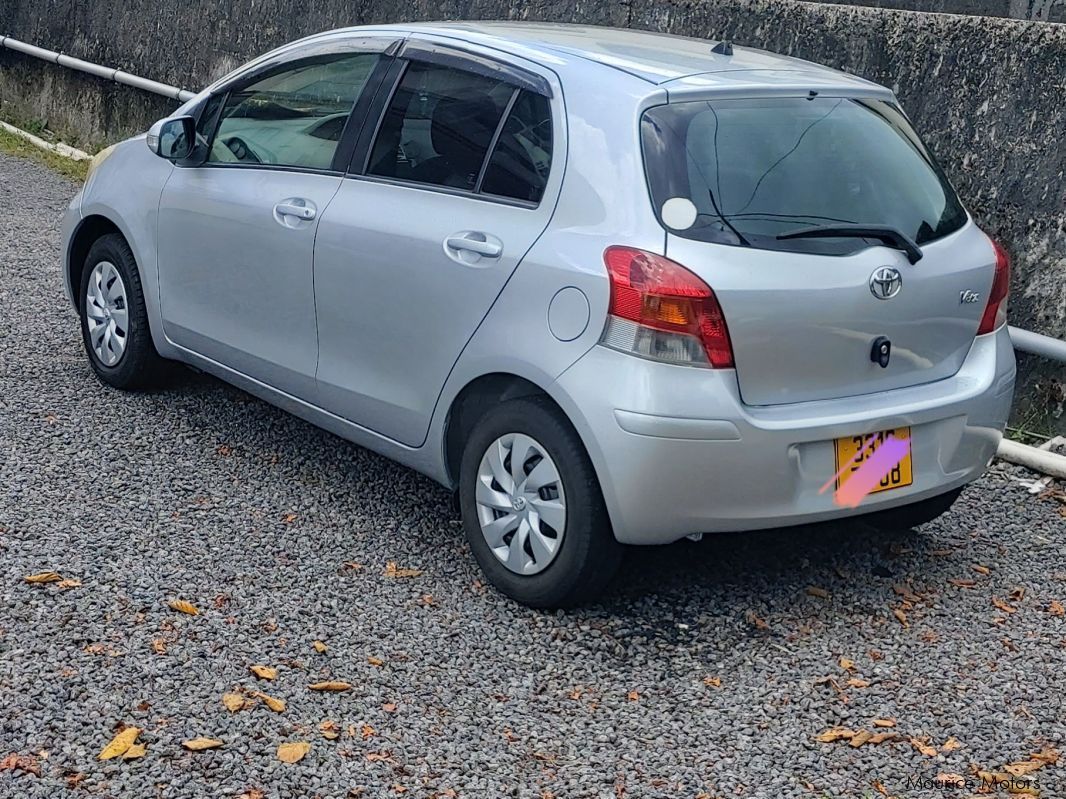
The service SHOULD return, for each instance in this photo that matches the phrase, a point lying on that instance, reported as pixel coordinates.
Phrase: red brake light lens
(674, 315)
(996, 310)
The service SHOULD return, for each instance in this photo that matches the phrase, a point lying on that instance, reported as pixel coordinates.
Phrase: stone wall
(988, 94)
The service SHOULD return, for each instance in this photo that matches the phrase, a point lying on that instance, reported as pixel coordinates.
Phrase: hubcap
(107, 313)
(521, 506)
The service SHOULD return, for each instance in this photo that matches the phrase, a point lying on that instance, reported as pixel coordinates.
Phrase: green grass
(11, 144)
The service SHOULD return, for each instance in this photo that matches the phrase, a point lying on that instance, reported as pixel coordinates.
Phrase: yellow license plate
(847, 449)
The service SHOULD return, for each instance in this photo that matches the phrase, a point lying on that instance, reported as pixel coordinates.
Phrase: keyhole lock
(881, 351)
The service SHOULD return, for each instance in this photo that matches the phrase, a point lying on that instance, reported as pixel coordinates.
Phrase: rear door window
(461, 130)
(757, 168)
(293, 116)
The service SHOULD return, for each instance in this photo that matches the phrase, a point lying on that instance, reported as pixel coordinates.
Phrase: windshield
(755, 169)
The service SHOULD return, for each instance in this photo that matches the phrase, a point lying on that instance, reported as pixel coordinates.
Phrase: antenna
(723, 48)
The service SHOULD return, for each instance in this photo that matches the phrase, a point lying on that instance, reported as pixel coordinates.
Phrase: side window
(522, 158)
(439, 126)
(293, 116)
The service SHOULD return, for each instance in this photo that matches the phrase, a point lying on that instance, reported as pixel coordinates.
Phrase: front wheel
(532, 507)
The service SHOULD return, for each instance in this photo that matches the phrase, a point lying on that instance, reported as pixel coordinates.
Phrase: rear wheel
(114, 321)
(532, 508)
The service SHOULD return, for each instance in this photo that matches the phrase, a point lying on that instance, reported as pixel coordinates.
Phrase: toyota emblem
(886, 282)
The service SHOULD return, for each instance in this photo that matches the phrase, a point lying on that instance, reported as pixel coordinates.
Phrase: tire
(907, 517)
(586, 554)
(137, 365)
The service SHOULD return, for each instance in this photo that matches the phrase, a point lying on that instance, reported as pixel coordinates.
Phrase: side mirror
(172, 139)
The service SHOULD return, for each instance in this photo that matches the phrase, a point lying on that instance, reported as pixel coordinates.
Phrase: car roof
(653, 57)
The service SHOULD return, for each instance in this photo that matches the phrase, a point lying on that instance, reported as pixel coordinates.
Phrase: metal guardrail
(108, 73)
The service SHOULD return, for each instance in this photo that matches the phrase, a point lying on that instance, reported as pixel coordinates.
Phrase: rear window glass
(758, 168)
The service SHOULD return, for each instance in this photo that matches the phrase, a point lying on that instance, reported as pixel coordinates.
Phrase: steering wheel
(240, 149)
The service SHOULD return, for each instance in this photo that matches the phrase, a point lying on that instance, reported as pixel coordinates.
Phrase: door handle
(474, 242)
(300, 209)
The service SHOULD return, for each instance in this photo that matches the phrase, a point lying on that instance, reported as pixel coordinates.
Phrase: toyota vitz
(611, 287)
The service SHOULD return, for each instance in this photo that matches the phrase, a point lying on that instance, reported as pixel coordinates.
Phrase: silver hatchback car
(611, 287)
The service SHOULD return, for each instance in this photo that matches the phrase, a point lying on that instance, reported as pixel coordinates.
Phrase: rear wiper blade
(886, 234)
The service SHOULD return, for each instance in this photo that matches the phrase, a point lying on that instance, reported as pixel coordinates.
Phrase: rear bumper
(677, 452)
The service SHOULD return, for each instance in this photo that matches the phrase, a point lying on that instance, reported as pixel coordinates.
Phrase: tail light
(996, 311)
(662, 311)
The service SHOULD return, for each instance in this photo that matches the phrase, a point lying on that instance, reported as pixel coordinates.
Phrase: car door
(446, 197)
(236, 231)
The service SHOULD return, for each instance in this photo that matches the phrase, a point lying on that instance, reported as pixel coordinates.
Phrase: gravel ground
(708, 671)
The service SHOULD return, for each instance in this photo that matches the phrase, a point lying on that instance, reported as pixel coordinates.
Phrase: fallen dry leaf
(633, 696)
(884, 722)
(293, 752)
(181, 606)
(977, 567)
(881, 737)
(319, 647)
(379, 757)
(330, 730)
(391, 570)
(821, 593)
(859, 738)
(120, 743)
(389, 707)
(855, 682)
(999, 603)
(200, 744)
(1017, 594)
(1048, 755)
(905, 592)
(288, 518)
(922, 745)
(835, 734)
(264, 672)
(277, 705)
(159, 646)
(27, 764)
(234, 702)
(951, 744)
(847, 664)
(877, 786)
(65, 584)
(756, 622)
(43, 577)
(1055, 608)
(961, 583)
(135, 751)
(368, 732)
(712, 682)
(373, 661)
(901, 617)
(331, 685)
(252, 793)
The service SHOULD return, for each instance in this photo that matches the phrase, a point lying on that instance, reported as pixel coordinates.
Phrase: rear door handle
(297, 208)
(474, 242)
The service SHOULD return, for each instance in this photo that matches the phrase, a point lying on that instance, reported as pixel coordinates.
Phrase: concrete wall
(988, 94)
(1036, 10)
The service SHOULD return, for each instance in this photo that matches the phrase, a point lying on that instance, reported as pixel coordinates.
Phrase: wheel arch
(90, 230)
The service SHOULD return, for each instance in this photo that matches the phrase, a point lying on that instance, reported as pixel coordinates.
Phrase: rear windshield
(758, 168)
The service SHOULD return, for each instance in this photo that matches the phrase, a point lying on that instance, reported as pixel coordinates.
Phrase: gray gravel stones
(201, 493)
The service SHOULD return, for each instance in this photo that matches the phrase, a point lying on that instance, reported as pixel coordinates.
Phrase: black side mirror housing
(173, 138)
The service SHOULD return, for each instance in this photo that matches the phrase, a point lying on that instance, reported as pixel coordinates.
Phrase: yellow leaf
(120, 743)
(923, 747)
(159, 646)
(264, 672)
(293, 752)
(233, 702)
(950, 745)
(881, 737)
(835, 734)
(373, 661)
(319, 647)
(1048, 755)
(330, 731)
(847, 664)
(331, 685)
(182, 606)
(135, 751)
(200, 744)
(1055, 608)
(981, 569)
(859, 738)
(43, 577)
(884, 722)
(712, 682)
(368, 732)
(633, 696)
(821, 593)
(277, 705)
(855, 682)
(392, 571)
